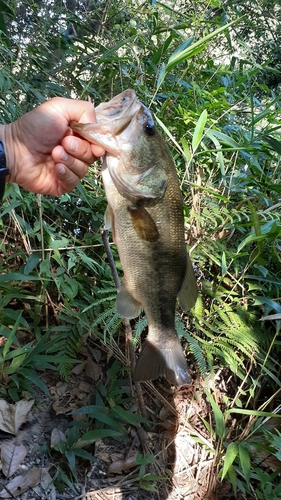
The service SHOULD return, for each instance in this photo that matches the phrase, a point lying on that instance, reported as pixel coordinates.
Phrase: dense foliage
(210, 73)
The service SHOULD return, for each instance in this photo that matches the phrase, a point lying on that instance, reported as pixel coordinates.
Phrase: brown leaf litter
(176, 438)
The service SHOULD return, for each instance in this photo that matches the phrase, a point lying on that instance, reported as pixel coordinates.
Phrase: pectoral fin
(143, 223)
(126, 305)
(188, 293)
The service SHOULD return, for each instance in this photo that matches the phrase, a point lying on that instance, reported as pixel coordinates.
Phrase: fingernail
(73, 145)
(63, 156)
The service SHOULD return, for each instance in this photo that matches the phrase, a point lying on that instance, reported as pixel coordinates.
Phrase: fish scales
(149, 234)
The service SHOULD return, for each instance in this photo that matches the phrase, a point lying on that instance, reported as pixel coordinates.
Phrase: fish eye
(149, 129)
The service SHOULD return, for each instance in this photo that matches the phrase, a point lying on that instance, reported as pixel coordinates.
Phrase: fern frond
(140, 325)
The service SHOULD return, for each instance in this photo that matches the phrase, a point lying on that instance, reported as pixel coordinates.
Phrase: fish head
(125, 129)
(137, 171)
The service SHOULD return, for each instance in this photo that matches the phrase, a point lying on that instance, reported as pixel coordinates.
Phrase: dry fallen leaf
(13, 416)
(46, 484)
(119, 465)
(21, 483)
(13, 453)
(57, 436)
(93, 370)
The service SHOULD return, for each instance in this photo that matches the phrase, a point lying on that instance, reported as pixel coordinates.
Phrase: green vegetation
(210, 71)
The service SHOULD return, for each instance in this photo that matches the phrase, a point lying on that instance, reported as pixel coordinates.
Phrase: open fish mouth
(122, 108)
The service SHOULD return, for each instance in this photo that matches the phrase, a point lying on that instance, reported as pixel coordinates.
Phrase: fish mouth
(122, 109)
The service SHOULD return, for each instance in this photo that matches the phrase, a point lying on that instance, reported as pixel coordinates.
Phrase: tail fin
(158, 360)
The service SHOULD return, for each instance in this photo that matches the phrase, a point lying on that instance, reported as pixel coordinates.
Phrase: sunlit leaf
(199, 129)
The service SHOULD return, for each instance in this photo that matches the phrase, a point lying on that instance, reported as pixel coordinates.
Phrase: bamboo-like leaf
(186, 149)
(178, 57)
(219, 418)
(128, 416)
(198, 132)
(233, 478)
(213, 134)
(92, 436)
(231, 453)
(253, 413)
(274, 143)
(166, 130)
(32, 262)
(188, 49)
(245, 460)
(223, 264)
(11, 337)
(161, 75)
(181, 49)
(18, 277)
(256, 224)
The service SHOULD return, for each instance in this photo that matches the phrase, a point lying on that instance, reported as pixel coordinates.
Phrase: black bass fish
(145, 212)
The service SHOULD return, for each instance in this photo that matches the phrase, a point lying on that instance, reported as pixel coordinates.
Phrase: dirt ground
(176, 437)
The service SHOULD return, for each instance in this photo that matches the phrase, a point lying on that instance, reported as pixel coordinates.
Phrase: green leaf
(158, 55)
(128, 416)
(71, 459)
(161, 75)
(78, 452)
(166, 130)
(180, 56)
(18, 277)
(274, 143)
(219, 418)
(213, 134)
(99, 413)
(11, 337)
(70, 287)
(231, 453)
(10, 207)
(233, 478)
(32, 262)
(252, 238)
(245, 460)
(198, 132)
(223, 264)
(188, 49)
(256, 223)
(181, 48)
(92, 436)
(15, 364)
(254, 413)
(32, 376)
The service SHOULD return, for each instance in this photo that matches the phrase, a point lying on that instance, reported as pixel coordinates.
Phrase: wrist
(4, 171)
(6, 139)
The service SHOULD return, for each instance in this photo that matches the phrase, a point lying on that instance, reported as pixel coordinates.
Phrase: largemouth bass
(145, 211)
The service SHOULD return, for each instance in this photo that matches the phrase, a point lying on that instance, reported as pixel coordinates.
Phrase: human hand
(42, 153)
